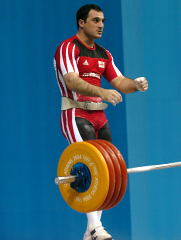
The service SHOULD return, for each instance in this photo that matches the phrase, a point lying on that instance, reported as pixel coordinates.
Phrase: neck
(85, 39)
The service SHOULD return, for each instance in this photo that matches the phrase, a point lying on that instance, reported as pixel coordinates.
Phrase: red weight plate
(123, 173)
(110, 166)
(118, 173)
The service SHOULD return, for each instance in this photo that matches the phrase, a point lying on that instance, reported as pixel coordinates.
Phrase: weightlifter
(80, 64)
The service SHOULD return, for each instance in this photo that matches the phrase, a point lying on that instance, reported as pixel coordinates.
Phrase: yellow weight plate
(93, 198)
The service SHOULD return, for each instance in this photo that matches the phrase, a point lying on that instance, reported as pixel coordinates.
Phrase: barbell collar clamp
(63, 180)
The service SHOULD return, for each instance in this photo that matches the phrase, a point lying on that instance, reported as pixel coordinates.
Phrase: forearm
(75, 83)
(124, 84)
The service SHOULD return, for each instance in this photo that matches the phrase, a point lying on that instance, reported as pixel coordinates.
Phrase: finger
(118, 96)
(144, 84)
(118, 99)
(145, 87)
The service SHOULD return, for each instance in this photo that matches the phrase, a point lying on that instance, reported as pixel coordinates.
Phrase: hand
(141, 84)
(111, 96)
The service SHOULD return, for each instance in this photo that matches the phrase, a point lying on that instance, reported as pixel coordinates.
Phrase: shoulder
(103, 51)
(67, 45)
(66, 42)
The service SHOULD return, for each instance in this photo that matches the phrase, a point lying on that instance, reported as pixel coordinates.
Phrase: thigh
(85, 128)
(105, 133)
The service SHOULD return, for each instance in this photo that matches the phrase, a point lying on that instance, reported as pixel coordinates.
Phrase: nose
(101, 24)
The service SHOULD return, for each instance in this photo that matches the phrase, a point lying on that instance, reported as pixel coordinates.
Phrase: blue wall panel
(151, 37)
(30, 204)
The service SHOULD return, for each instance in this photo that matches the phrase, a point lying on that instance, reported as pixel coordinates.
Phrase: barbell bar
(92, 175)
(70, 179)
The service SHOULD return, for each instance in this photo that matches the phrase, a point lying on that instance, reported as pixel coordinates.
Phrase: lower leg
(93, 220)
(95, 230)
(99, 214)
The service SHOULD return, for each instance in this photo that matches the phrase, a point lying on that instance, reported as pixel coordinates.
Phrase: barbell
(92, 175)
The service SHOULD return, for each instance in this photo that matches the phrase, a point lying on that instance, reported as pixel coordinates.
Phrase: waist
(68, 103)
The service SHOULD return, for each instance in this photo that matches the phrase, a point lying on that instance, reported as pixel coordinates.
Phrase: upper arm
(111, 71)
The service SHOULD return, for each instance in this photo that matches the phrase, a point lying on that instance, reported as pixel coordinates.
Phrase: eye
(96, 20)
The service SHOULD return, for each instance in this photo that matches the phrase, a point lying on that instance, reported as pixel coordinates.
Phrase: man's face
(94, 25)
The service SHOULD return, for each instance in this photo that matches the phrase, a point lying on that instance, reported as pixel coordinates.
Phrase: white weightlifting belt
(68, 103)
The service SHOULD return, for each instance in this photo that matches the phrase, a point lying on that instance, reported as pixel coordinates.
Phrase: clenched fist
(111, 96)
(141, 84)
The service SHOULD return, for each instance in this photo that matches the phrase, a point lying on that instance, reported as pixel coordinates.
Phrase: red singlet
(91, 64)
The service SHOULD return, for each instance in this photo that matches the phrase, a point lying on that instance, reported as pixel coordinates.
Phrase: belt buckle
(86, 105)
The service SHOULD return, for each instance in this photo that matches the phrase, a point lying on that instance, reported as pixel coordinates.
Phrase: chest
(88, 64)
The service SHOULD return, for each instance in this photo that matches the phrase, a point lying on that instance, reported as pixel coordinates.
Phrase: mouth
(99, 31)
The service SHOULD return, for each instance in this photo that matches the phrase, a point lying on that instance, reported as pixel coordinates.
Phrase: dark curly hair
(83, 12)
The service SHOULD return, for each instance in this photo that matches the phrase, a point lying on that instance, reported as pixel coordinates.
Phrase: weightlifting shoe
(98, 233)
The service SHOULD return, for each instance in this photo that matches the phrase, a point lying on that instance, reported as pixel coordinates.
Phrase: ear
(81, 23)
